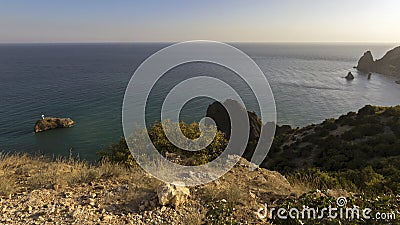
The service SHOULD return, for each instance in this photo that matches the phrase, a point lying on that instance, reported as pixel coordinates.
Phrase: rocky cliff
(219, 114)
(52, 123)
(388, 65)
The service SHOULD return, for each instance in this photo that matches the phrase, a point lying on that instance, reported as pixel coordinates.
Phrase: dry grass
(7, 186)
(37, 171)
(125, 187)
(236, 195)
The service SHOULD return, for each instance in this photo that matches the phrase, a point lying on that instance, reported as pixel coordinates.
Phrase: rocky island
(52, 123)
(388, 65)
(350, 76)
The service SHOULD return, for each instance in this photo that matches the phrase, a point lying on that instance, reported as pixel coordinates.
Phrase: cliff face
(388, 65)
(219, 114)
(366, 62)
(52, 123)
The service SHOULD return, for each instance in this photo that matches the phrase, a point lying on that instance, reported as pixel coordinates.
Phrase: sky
(53, 21)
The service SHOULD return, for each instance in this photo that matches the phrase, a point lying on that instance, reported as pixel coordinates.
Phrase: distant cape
(388, 65)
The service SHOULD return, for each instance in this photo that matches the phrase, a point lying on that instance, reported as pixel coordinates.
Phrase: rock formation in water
(349, 76)
(388, 65)
(366, 62)
(52, 123)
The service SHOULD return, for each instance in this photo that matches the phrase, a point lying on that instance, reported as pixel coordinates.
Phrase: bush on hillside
(120, 152)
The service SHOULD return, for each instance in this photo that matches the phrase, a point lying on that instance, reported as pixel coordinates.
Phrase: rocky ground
(35, 190)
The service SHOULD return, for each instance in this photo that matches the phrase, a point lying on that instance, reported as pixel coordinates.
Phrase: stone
(67, 194)
(55, 187)
(163, 208)
(92, 195)
(349, 76)
(28, 209)
(91, 202)
(106, 218)
(171, 194)
(100, 187)
(52, 123)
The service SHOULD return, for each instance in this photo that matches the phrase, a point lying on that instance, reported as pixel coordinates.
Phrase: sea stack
(366, 62)
(49, 123)
(349, 76)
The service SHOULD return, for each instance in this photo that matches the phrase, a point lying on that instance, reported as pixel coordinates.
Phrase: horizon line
(172, 42)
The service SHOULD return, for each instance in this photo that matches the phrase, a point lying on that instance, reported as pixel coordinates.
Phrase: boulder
(349, 76)
(398, 82)
(52, 123)
(389, 64)
(171, 194)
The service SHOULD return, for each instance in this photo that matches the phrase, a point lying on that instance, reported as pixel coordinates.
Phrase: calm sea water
(87, 82)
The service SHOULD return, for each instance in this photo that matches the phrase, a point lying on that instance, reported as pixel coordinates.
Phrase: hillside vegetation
(357, 151)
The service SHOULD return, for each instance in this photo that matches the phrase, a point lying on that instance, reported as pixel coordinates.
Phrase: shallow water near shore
(86, 82)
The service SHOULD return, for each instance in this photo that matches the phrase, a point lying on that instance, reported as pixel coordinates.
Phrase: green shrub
(330, 124)
(120, 152)
(315, 178)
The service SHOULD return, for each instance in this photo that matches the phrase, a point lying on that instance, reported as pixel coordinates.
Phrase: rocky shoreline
(387, 65)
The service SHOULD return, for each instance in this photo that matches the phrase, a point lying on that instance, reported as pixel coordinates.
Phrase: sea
(87, 82)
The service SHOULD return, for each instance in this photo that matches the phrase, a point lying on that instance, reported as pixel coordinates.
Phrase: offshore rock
(52, 123)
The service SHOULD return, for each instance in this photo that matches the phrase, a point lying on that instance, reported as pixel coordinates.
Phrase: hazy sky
(221, 20)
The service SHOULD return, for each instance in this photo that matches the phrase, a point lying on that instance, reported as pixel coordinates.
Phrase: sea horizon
(227, 42)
